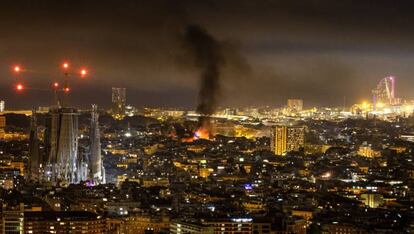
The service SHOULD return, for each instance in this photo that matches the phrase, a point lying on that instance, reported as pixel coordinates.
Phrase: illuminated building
(234, 225)
(96, 165)
(295, 105)
(35, 162)
(2, 106)
(254, 206)
(2, 126)
(61, 139)
(13, 219)
(343, 228)
(372, 200)
(63, 222)
(145, 223)
(385, 92)
(118, 102)
(286, 139)
(367, 151)
(205, 172)
(182, 226)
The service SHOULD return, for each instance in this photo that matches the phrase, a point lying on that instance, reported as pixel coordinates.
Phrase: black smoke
(208, 57)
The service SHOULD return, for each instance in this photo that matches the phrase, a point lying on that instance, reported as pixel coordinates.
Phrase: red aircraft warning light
(83, 72)
(65, 65)
(17, 69)
(67, 89)
(56, 85)
(19, 87)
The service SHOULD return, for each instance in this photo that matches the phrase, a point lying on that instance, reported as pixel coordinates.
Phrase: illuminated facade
(61, 139)
(372, 200)
(96, 165)
(287, 138)
(63, 222)
(2, 106)
(367, 151)
(118, 102)
(35, 162)
(12, 219)
(384, 93)
(2, 126)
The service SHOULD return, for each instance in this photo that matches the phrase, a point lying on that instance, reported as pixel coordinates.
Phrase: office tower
(35, 163)
(2, 106)
(295, 104)
(118, 102)
(286, 139)
(2, 126)
(96, 165)
(61, 140)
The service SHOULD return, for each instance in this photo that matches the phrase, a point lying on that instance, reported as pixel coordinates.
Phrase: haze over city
(305, 49)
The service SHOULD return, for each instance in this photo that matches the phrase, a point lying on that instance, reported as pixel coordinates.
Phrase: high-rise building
(287, 138)
(61, 140)
(384, 93)
(96, 164)
(295, 104)
(2, 106)
(118, 102)
(2, 126)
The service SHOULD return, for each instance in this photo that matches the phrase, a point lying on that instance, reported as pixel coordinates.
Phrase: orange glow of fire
(201, 133)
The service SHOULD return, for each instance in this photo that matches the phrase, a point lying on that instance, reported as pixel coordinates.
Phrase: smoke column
(208, 57)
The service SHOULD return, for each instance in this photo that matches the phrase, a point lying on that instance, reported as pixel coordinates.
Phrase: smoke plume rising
(208, 57)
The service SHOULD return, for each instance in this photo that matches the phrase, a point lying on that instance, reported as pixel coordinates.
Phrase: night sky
(321, 51)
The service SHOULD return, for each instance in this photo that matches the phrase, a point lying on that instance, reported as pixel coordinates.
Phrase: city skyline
(307, 50)
(206, 116)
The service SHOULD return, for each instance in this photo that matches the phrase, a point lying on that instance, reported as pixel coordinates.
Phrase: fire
(201, 133)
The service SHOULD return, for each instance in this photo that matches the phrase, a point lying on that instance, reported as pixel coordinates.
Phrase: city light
(67, 89)
(380, 105)
(56, 84)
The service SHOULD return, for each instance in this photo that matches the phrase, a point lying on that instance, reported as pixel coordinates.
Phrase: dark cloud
(312, 49)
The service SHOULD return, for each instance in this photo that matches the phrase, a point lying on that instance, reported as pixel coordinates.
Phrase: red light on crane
(19, 87)
(17, 69)
(56, 84)
(83, 72)
(65, 65)
(67, 89)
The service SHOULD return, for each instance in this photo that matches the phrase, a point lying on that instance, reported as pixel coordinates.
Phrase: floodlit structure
(286, 139)
(2, 106)
(97, 170)
(384, 93)
(35, 162)
(61, 140)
